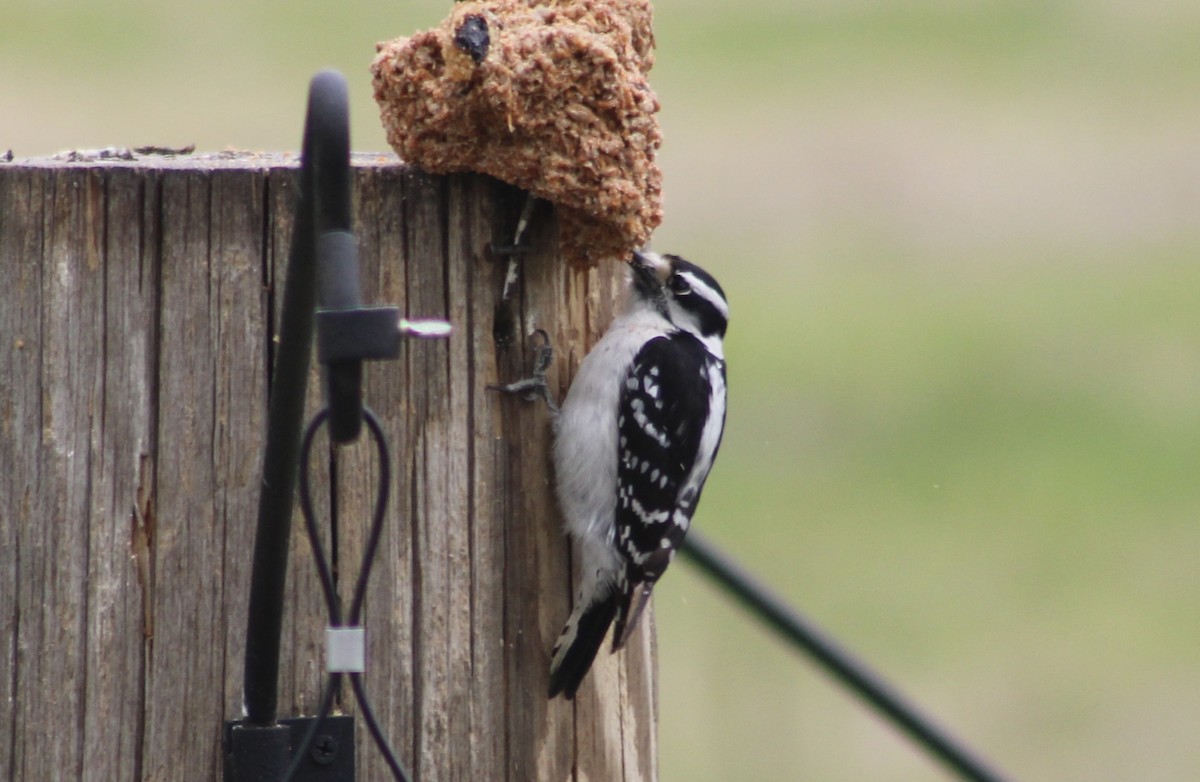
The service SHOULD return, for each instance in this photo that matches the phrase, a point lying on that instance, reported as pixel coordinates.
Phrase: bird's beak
(650, 271)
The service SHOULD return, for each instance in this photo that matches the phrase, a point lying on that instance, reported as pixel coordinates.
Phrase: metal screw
(324, 749)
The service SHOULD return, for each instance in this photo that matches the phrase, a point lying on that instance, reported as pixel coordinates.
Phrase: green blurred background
(960, 240)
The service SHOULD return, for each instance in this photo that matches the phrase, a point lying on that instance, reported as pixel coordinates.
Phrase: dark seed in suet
(472, 37)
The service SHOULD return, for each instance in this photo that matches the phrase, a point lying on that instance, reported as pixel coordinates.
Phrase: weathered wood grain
(20, 443)
(122, 472)
(136, 334)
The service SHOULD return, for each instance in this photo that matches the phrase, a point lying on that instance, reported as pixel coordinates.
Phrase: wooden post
(136, 321)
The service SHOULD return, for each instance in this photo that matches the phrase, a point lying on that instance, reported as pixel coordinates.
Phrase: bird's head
(683, 293)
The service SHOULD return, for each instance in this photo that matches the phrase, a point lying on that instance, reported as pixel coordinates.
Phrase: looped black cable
(332, 601)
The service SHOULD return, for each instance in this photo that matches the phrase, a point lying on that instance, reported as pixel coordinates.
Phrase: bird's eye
(680, 286)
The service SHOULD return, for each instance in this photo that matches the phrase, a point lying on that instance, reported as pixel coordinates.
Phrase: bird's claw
(536, 386)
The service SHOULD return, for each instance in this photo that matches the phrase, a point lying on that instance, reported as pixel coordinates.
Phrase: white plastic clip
(345, 649)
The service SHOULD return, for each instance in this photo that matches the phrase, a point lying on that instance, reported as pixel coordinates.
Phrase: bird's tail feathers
(576, 647)
(631, 604)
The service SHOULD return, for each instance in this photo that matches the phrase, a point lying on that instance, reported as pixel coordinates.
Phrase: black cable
(852, 672)
(324, 573)
(360, 694)
(329, 588)
(385, 481)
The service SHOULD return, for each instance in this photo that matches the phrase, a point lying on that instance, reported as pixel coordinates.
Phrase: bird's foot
(536, 386)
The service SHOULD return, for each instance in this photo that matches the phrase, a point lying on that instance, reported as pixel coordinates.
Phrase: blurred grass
(961, 245)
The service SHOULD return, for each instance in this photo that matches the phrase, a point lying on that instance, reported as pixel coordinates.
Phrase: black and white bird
(634, 442)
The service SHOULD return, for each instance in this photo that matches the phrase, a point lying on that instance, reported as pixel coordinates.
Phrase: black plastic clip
(347, 332)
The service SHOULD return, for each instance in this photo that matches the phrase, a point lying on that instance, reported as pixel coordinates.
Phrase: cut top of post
(163, 158)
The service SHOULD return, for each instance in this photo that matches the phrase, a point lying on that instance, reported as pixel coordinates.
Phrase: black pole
(853, 673)
(338, 285)
(325, 139)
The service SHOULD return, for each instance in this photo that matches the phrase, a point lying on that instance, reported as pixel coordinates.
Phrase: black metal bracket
(257, 753)
(322, 292)
(259, 748)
